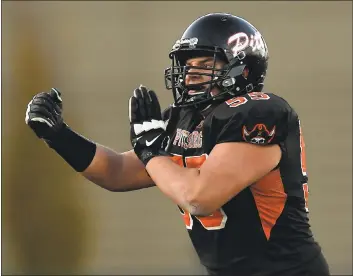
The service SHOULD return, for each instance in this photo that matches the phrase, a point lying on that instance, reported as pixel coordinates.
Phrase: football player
(232, 158)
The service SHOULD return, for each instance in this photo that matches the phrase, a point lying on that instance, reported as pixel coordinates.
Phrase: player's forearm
(176, 182)
(117, 172)
(104, 168)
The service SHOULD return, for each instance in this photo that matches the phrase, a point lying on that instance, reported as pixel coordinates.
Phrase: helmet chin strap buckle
(228, 82)
(241, 55)
(249, 87)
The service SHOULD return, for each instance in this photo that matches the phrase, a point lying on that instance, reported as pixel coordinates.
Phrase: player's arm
(103, 166)
(229, 169)
(117, 171)
(233, 163)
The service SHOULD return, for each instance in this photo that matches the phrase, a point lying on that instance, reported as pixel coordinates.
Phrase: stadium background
(54, 221)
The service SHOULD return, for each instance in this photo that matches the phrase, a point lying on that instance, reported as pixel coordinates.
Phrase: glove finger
(147, 102)
(133, 110)
(156, 112)
(45, 99)
(41, 109)
(36, 111)
(146, 99)
(143, 88)
(55, 95)
(37, 118)
(41, 94)
(44, 95)
(142, 113)
(44, 102)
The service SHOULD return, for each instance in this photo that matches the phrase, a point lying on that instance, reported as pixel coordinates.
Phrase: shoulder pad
(256, 104)
(254, 117)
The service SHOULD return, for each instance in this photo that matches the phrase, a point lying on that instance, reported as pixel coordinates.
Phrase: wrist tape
(75, 149)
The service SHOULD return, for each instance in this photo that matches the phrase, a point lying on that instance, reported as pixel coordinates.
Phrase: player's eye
(207, 66)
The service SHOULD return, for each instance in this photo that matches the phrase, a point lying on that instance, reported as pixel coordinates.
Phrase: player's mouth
(197, 90)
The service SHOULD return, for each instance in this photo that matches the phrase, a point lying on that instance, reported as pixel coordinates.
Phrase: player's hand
(44, 114)
(147, 129)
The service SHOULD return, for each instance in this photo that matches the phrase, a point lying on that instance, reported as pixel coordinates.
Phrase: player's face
(207, 63)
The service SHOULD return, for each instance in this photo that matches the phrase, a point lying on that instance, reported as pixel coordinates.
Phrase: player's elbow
(199, 202)
(200, 210)
(197, 206)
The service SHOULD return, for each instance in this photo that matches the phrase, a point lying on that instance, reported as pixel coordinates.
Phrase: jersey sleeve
(258, 122)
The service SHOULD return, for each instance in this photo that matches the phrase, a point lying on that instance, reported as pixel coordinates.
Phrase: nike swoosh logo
(148, 143)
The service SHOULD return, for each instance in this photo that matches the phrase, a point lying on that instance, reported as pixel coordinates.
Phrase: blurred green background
(55, 221)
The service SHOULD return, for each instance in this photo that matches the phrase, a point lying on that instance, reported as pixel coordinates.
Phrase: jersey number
(235, 102)
(215, 221)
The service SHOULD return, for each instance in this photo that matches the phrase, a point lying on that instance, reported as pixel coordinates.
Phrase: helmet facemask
(229, 79)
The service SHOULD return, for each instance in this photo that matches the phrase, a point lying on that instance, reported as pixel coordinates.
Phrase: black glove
(147, 129)
(44, 117)
(44, 114)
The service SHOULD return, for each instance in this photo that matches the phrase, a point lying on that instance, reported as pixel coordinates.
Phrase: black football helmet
(225, 37)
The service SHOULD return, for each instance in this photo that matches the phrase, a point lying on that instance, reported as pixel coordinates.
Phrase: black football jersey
(264, 229)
